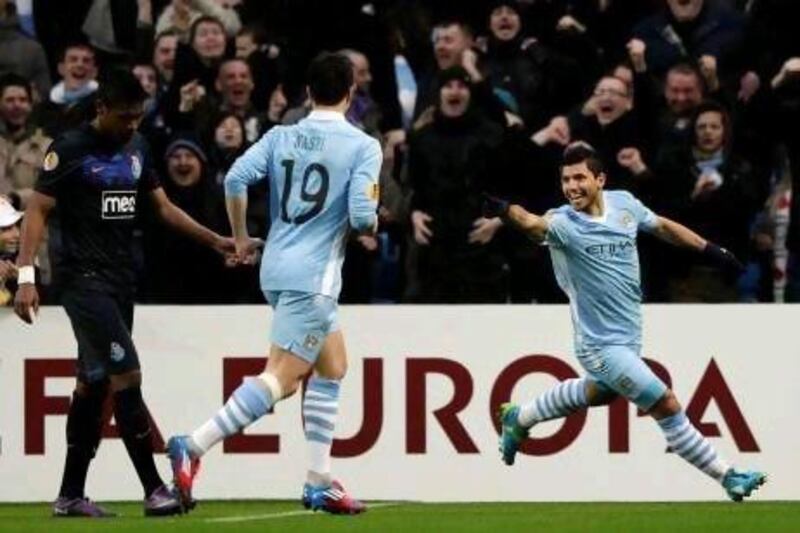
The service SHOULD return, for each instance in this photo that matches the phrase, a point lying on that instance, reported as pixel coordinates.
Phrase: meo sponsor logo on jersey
(118, 205)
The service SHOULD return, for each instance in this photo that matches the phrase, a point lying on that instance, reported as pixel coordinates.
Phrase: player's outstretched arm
(679, 235)
(516, 216)
(26, 302)
(177, 218)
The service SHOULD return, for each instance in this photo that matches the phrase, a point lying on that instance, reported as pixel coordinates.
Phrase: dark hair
(579, 152)
(204, 19)
(11, 79)
(165, 33)
(687, 69)
(712, 106)
(256, 32)
(329, 77)
(119, 88)
(76, 44)
(463, 26)
(228, 60)
(222, 117)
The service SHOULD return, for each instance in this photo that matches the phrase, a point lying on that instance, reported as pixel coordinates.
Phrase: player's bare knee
(81, 389)
(280, 385)
(126, 381)
(598, 396)
(667, 405)
(334, 370)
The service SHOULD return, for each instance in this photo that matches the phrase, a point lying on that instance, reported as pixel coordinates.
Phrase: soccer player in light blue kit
(592, 244)
(323, 179)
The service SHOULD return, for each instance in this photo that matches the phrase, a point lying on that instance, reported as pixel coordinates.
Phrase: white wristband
(26, 274)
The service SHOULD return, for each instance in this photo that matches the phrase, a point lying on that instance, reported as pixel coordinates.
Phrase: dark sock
(84, 424)
(134, 427)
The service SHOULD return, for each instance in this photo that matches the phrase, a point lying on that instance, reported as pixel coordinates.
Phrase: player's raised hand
(368, 242)
(708, 68)
(224, 245)
(26, 302)
(636, 50)
(248, 250)
(557, 131)
(722, 257)
(631, 158)
(570, 23)
(789, 70)
(749, 84)
(422, 233)
(191, 94)
(484, 230)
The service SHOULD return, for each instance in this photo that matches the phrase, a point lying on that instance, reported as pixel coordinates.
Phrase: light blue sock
(320, 410)
(248, 403)
(562, 400)
(684, 439)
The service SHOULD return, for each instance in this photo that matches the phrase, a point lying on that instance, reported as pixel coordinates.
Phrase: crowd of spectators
(693, 104)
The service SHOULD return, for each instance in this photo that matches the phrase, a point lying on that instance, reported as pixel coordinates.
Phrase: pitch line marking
(284, 514)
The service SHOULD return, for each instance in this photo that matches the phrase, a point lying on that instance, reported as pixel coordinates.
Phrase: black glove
(494, 207)
(723, 258)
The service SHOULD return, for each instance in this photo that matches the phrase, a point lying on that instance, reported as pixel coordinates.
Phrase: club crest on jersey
(117, 352)
(626, 219)
(310, 342)
(374, 191)
(50, 161)
(136, 167)
(118, 205)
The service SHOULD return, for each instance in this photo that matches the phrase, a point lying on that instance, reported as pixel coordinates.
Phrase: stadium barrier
(417, 406)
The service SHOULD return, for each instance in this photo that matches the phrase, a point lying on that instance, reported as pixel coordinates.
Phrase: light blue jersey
(596, 263)
(323, 179)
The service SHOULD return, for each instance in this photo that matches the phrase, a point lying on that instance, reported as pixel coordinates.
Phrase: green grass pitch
(244, 516)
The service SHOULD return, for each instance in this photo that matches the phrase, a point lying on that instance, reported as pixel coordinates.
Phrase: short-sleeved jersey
(323, 178)
(597, 264)
(97, 187)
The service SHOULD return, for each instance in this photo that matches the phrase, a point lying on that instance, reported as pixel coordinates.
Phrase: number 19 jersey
(323, 179)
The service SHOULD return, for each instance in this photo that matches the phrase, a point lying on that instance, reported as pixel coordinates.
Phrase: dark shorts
(102, 324)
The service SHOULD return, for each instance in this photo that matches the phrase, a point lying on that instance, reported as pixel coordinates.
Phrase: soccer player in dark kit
(94, 177)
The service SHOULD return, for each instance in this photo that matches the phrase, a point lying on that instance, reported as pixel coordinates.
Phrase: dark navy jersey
(97, 187)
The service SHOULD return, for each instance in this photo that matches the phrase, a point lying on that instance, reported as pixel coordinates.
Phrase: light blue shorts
(301, 321)
(620, 369)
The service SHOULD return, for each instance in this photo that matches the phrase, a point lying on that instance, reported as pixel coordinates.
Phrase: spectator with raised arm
(450, 161)
(180, 15)
(714, 190)
(705, 31)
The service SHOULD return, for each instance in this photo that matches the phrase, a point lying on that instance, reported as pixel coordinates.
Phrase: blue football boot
(739, 484)
(184, 469)
(333, 499)
(512, 434)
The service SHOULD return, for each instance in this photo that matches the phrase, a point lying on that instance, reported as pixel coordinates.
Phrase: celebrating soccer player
(94, 177)
(592, 244)
(323, 179)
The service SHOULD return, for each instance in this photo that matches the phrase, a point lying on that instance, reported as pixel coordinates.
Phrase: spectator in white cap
(9, 247)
